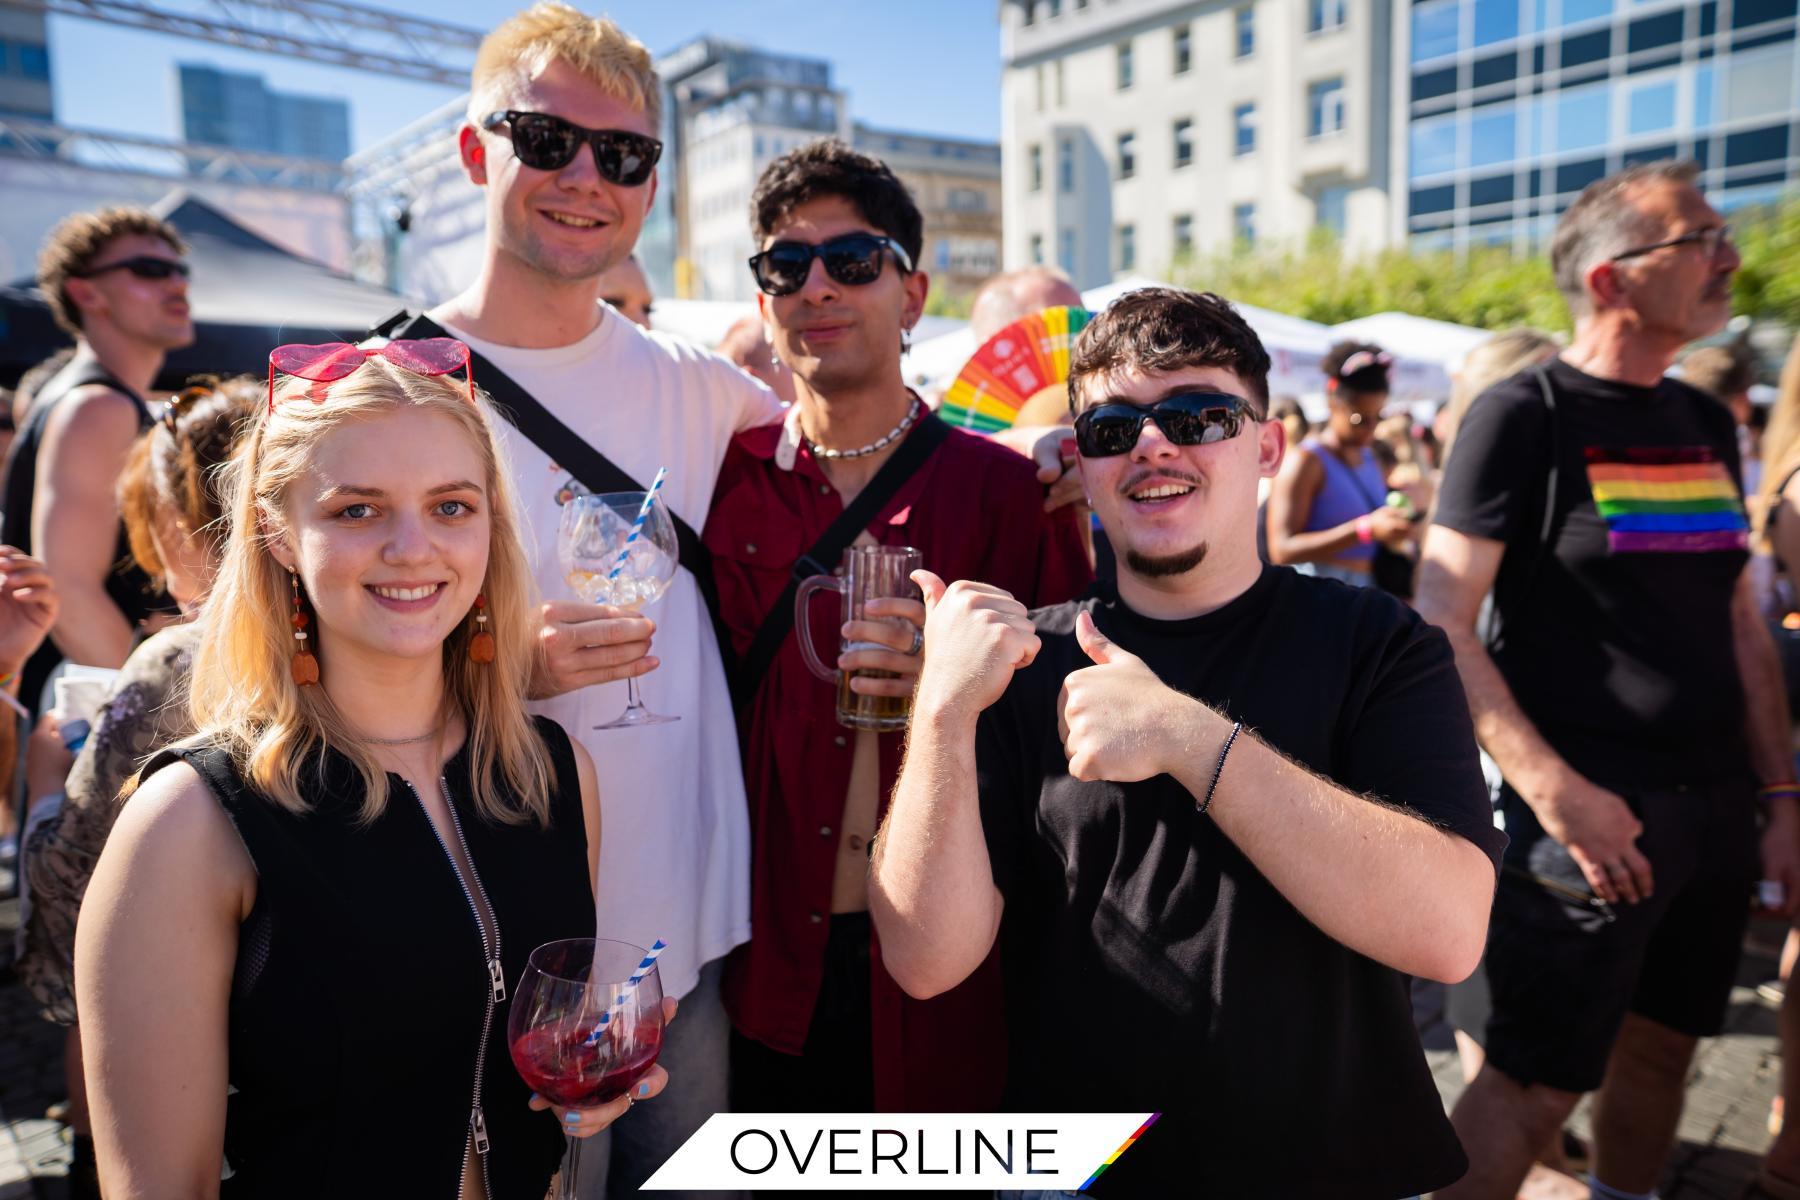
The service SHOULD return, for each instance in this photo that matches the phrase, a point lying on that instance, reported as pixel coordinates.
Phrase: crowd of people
(1204, 732)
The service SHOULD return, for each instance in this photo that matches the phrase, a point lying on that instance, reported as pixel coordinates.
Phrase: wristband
(1365, 529)
(1218, 770)
(1772, 790)
(9, 681)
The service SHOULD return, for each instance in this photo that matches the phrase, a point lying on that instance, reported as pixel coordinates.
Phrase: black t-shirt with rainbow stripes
(1616, 641)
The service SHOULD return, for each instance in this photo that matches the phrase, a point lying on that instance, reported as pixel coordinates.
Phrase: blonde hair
(1780, 447)
(1500, 357)
(522, 47)
(243, 696)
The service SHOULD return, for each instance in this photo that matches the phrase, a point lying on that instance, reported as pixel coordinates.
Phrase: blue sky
(928, 65)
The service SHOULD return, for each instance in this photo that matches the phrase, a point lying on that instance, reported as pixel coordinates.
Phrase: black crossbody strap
(1547, 530)
(567, 449)
(826, 553)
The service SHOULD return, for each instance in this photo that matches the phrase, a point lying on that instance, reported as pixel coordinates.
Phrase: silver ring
(918, 640)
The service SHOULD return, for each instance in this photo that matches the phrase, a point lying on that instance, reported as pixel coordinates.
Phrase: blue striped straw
(637, 976)
(637, 526)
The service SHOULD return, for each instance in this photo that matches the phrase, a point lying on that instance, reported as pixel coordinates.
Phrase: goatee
(1160, 566)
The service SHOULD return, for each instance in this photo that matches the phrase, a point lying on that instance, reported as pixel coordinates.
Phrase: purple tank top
(1347, 495)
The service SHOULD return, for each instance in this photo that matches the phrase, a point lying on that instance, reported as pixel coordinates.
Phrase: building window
(1037, 249)
(1434, 29)
(1323, 16)
(1127, 247)
(1037, 168)
(1330, 214)
(1325, 107)
(1184, 142)
(1123, 53)
(1030, 7)
(1055, 9)
(34, 60)
(1184, 235)
(1243, 224)
(965, 200)
(1065, 166)
(1127, 155)
(1244, 20)
(1065, 250)
(1037, 79)
(1184, 48)
(1062, 96)
(1243, 124)
(1496, 21)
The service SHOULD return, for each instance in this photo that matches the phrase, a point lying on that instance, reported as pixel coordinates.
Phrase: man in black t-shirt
(1630, 695)
(1216, 814)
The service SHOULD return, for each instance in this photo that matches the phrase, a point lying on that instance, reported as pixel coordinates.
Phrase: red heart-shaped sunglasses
(332, 361)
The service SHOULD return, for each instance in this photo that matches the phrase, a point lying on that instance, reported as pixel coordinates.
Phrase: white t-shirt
(675, 827)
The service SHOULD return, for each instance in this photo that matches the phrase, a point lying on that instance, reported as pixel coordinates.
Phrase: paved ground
(1723, 1131)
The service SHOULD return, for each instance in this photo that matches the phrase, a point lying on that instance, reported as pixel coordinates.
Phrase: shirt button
(838, 740)
(749, 547)
(824, 489)
(824, 831)
(816, 918)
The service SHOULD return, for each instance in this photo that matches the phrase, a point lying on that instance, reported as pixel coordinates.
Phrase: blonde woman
(285, 962)
(1500, 357)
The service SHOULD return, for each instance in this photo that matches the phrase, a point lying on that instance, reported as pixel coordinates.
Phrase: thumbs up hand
(1118, 721)
(976, 636)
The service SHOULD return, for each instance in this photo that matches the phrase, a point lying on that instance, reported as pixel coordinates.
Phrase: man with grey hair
(1630, 696)
(1005, 298)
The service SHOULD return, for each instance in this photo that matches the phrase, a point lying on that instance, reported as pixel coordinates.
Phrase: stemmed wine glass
(566, 988)
(594, 530)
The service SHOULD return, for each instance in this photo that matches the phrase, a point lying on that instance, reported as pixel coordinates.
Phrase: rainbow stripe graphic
(1101, 1169)
(1666, 500)
(1023, 359)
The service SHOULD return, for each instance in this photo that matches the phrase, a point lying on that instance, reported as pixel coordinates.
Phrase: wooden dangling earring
(305, 667)
(481, 646)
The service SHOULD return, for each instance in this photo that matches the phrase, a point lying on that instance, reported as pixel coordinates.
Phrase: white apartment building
(1137, 131)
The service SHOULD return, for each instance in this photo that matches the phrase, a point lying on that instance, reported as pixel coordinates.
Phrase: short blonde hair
(243, 697)
(607, 56)
(1500, 357)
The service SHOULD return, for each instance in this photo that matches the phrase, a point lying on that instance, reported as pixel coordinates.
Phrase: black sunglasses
(852, 260)
(1710, 240)
(1187, 419)
(144, 267)
(546, 143)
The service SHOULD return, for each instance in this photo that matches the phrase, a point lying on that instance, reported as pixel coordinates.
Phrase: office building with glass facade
(1509, 108)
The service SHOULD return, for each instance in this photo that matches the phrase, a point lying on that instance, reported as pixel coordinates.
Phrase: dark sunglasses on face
(1186, 419)
(852, 260)
(144, 267)
(546, 143)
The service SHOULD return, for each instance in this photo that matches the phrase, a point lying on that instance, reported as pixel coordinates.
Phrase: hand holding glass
(565, 989)
(603, 569)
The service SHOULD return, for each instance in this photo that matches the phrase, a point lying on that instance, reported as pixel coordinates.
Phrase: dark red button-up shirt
(974, 510)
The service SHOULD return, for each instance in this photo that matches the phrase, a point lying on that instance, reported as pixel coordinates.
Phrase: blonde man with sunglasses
(117, 284)
(564, 118)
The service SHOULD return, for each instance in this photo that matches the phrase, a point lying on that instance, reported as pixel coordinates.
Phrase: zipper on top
(490, 953)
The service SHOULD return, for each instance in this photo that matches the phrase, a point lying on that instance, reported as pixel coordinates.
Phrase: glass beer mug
(869, 573)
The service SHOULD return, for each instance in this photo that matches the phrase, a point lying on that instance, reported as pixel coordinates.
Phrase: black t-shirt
(1149, 964)
(1618, 644)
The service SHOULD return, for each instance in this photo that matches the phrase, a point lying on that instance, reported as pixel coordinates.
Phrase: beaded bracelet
(1218, 770)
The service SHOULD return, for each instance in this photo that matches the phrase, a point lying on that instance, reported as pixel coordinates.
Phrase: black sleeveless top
(127, 585)
(361, 985)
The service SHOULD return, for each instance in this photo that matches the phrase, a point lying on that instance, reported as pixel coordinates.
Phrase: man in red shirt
(818, 1023)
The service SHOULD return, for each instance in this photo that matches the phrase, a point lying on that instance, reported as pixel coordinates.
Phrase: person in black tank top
(352, 863)
(117, 284)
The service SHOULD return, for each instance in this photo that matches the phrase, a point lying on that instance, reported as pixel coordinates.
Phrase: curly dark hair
(827, 167)
(1166, 329)
(73, 245)
(175, 467)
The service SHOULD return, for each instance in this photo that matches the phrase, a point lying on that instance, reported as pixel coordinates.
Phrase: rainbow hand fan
(1020, 363)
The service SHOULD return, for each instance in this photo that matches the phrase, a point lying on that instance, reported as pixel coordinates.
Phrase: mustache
(1139, 477)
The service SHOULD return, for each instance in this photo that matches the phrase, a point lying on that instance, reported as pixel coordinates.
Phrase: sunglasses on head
(546, 143)
(332, 361)
(1186, 419)
(144, 267)
(852, 260)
